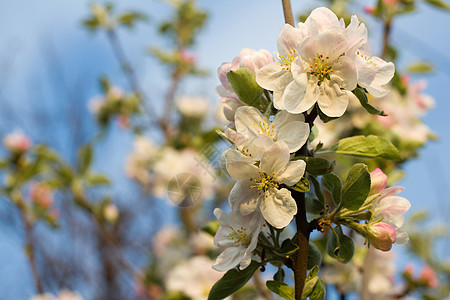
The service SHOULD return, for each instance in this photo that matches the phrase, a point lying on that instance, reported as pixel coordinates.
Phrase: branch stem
(287, 11)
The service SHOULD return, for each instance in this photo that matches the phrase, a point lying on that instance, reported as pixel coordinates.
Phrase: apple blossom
(285, 127)
(193, 107)
(239, 236)
(111, 212)
(428, 275)
(378, 273)
(250, 59)
(194, 278)
(258, 187)
(17, 142)
(389, 209)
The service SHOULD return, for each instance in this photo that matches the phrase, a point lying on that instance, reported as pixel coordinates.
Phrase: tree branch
(287, 11)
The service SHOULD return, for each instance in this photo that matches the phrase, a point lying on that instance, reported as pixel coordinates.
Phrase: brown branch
(287, 11)
(386, 37)
(30, 249)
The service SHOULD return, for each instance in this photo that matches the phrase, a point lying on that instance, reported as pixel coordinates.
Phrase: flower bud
(381, 236)
(379, 180)
(41, 194)
(111, 213)
(428, 275)
(17, 142)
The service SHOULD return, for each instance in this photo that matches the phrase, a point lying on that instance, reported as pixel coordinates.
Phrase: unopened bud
(111, 212)
(381, 236)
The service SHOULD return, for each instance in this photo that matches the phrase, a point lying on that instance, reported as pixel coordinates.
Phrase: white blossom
(257, 187)
(193, 107)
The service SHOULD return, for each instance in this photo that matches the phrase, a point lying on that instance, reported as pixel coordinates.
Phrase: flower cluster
(322, 61)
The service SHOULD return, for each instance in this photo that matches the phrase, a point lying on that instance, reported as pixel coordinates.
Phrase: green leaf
(288, 247)
(340, 246)
(211, 227)
(319, 290)
(84, 158)
(244, 85)
(302, 186)
(356, 187)
(317, 166)
(313, 206)
(314, 256)
(129, 18)
(279, 275)
(281, 289)
(317, 189)
(97, 179)
(310, 282)
(324, 117)
(420, 67)
(232, 281)
(362, 97)
(365, 146)
(439, 4)
(333, 184)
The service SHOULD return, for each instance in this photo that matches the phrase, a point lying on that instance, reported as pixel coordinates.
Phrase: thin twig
(261, 287)
(30, 249)
(386, 37)
(287, 11)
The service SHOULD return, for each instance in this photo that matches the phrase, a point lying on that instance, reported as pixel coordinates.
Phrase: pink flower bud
(369, 9)
(428, 275)
(409, 269)
(379, 180)
(381, 236)
(42, 195)
(17, 142)
(188, 57)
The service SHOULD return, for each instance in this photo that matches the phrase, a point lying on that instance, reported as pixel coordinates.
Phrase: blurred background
(51, 62)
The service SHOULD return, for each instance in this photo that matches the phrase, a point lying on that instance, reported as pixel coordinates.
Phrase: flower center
(240, 236)
(368, 59)
(265, 128)
(264, 182)
(287, 61)
(321, 67)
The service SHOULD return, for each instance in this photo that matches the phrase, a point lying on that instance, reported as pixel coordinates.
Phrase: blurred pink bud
(428, 275)
(381, 236)
(389, 2)
(188, 57)
(369, 9)
(409, 269)
(42, 195)
(406, 78)
(54, 214)
(379, 181)
(124, 121)
(17, 142)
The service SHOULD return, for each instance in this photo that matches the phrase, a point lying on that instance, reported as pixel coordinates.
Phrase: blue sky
(31, 28)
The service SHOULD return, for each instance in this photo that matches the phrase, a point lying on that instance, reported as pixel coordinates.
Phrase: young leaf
(302, 186)
(333, 184)
(420, 67)
(244, 85)
(362, 97)
(317, 166)
(365, 146)
(281, 289)
(232, 281)
(317, 189)
(129, 18)
(439, 4)
(319, 290)
(84, 158)
(356, 187)
(340, 246)
(314, 256)
(310, 281)
(97, 179)
(211, 227)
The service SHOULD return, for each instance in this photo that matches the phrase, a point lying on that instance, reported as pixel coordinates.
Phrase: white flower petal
(228, 259)
(249, 118)
(288, 39)
(344, 72)
(320, 20)
(284, 117)
(332, 101)
(272, 77)
(293, 173)
(241, 170)
(243, 199)
(275, 159)
(278, 208)
(330, 44)
(294, 134)
(292, 97)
